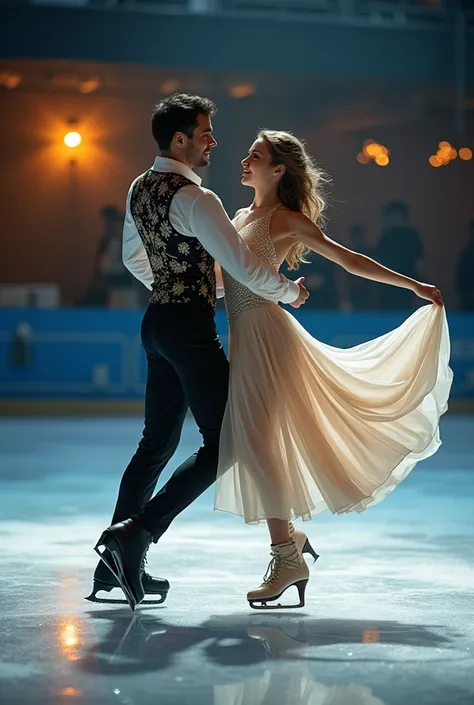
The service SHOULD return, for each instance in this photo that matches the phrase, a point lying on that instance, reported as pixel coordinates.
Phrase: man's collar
(164, 164)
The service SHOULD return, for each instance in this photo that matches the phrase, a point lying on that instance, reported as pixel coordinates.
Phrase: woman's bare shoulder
(286, 221)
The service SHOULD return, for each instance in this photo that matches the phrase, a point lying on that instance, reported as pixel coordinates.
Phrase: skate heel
(103, 541)
(106, 541)
(301, 586)
(307, 548)
(108, 556)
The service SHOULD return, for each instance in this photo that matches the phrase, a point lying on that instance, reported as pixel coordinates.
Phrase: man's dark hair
(178, 113)
(396, 207)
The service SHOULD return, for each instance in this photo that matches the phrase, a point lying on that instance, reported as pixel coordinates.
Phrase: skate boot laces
(279, 562)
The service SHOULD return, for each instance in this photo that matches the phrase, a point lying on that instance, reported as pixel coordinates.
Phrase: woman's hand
(304, 293)
(428, 292)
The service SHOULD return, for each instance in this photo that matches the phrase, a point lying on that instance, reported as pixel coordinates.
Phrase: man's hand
(428, 292)
(304, 293)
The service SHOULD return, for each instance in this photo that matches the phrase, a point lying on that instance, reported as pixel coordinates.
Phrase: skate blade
(111, 601)
(279, 606)
(117, 573)
(262, 601)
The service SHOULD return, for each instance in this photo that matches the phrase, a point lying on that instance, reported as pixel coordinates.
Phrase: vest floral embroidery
(182, 269)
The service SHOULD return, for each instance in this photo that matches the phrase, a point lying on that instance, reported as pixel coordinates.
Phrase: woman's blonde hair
(301, 186)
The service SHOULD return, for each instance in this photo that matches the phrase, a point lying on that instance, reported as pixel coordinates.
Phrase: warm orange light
(371, 636)
(382, 160)
(69, 640)
(170, 86)
(373, 149)
(362, 158)
(89, 85)
(70, 692)
(72, 139)
(443, 156)
(10, 80)
(465, 153)
(453, 153)
(242, 91)
(69, 635)
(444, 146)
(434, 161)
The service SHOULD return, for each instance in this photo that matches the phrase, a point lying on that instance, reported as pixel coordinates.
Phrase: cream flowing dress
(309, 426)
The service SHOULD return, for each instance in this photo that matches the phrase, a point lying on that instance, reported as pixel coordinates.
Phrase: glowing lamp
(72, 139)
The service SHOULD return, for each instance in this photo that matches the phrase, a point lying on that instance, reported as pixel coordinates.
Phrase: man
(174, 229)
(400, 248)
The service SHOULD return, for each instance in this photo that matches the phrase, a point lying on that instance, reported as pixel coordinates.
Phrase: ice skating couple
(290, 426)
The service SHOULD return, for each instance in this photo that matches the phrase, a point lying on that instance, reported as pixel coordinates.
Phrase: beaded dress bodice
(238, 298)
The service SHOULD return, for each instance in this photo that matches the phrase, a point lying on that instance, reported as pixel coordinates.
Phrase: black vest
(183, 272)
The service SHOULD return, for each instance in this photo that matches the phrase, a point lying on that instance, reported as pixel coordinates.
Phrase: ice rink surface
(389, 617)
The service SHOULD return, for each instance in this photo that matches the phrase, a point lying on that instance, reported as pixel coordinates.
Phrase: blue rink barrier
(96, 353)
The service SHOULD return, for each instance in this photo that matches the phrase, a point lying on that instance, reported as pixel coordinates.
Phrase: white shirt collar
(172, 165)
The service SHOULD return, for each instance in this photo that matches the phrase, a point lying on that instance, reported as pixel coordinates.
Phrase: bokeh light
(443, 156)
(447, 153)
(242, 90)
(465, 153)
(374, 151)
(72, 139)
(363, 158)
(382, 160)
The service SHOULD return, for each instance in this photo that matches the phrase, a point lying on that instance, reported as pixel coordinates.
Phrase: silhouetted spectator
(400, 248)
(464, 275)
(111, 284)
(119, 280)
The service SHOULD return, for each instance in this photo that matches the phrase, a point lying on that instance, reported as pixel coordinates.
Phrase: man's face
(198, 148)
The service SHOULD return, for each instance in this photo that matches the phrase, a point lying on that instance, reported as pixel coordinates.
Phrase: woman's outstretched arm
(305, 232)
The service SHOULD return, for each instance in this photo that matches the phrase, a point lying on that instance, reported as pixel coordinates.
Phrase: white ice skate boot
(286, 568)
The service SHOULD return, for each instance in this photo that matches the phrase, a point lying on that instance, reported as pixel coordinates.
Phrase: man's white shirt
(197, 212)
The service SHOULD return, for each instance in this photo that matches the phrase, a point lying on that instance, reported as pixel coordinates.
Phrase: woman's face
(257, 168)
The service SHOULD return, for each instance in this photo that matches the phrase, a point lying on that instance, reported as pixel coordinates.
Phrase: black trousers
(187, 368)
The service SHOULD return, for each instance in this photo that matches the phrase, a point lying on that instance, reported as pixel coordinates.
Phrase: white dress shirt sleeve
(211, 225)
(220, 291)
(134, 255)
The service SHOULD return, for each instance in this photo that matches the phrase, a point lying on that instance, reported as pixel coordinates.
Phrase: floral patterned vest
(183, 272)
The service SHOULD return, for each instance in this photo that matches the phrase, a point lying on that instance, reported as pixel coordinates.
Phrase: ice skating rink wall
(70, 360)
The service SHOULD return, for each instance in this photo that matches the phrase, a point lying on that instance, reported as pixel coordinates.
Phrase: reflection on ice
(295, 687)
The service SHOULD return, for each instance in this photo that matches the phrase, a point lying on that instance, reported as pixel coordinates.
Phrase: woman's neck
(264, 198)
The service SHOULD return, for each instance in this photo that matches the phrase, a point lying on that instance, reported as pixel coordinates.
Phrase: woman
(308, 426)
